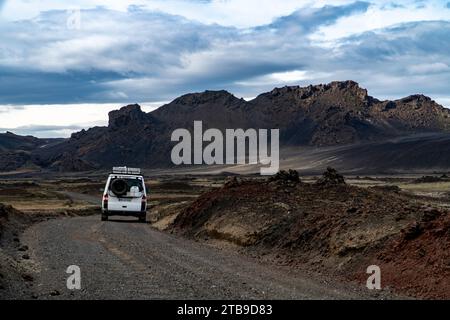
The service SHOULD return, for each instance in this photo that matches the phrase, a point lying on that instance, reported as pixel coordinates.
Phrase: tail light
(144, 203)
(105, 201)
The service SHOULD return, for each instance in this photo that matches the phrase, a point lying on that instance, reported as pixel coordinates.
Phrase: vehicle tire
(119, 187)
(104, 217)
(143, 218)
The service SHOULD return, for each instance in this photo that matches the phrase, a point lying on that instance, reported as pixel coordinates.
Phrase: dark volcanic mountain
(12, 142)
(338, 113)
(16, 151)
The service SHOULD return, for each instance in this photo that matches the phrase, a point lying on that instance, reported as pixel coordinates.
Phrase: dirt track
(122, 259)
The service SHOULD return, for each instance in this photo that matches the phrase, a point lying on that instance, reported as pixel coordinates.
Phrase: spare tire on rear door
(119, 187)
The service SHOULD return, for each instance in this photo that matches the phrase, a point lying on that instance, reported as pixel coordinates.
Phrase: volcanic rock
(330, 177)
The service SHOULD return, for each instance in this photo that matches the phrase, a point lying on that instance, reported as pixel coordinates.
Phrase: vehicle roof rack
(126, 170)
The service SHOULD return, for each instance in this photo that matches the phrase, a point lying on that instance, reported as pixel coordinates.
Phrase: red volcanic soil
(330, 227)
(418, 261)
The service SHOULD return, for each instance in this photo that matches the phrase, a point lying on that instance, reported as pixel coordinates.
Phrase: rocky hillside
(329, 226)
(12, 142)
(322, 115)
(343, 113)
(16, 151)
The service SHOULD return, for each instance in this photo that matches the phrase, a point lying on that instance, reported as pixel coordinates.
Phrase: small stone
(422, 253)
(292, 177)
(352, 210)
(27, 277)
(232, 182)
(55, 293)
(283, 206)
(430, 214)
(23, 248)
(412, 231)
(331, 177)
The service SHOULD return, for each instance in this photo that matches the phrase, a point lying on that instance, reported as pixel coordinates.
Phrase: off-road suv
(125, 194)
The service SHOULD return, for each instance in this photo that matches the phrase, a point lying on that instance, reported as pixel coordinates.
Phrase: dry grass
(47, 205)
(442, 186)
(28, 196)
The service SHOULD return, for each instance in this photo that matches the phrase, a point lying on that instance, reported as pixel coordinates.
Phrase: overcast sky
(64, 66)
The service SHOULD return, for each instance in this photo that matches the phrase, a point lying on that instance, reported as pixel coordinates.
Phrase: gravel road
(124, 259)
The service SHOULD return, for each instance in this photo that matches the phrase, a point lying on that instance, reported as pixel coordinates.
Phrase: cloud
(53, 64)
(43, 128)
(46, 131)
(398, 61)
(432, 67)
(235, 13)
(124, 53)
(143, 54)
(309, 19)
(58, 120)
(382, 15)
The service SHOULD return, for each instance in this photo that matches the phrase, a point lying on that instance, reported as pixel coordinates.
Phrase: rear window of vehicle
(131, 182)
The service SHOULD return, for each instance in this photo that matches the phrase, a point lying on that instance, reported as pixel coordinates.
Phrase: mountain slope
(12, 142)
(16, 151)
(338, 113)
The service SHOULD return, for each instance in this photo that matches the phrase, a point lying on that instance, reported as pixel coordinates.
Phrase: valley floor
(122, 259)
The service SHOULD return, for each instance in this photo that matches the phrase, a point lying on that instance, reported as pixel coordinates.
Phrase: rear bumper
(124, 213)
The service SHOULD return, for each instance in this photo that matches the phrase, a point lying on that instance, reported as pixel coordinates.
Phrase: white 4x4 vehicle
(125, 194)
